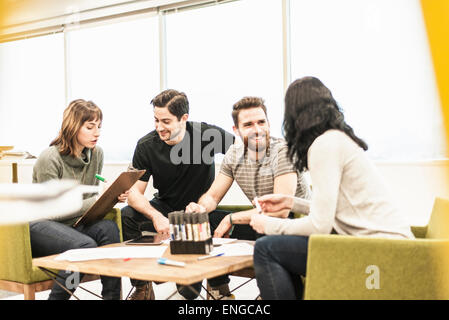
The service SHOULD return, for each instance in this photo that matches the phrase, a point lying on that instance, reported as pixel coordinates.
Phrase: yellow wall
(436, 17)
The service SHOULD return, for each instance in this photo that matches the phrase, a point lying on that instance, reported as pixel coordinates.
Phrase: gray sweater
(349, 195)
(52, 165)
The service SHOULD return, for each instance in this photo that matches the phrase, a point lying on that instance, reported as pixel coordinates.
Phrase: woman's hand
(258, 222)
(275, 203)
(123, 197)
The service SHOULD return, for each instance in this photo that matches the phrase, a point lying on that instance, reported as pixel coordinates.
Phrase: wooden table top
(148, 268)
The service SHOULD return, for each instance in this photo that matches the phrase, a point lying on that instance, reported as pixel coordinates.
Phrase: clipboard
(108, 199)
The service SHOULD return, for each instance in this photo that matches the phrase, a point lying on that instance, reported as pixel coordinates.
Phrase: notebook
(108, 199)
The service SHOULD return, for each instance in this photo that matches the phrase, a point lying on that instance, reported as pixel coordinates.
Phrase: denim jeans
(279, 261)
(51, 237)
(134, 223)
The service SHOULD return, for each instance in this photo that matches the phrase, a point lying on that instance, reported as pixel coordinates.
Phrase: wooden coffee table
(148, 269)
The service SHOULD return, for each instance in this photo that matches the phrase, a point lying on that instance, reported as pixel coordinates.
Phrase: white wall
(414, 184)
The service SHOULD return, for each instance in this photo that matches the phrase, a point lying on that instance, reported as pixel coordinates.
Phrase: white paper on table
(221, 241)
(234, 249)
(112, 253)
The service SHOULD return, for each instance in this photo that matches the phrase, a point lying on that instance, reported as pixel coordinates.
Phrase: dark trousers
(279, 261)
(133, 223)
(51, 237)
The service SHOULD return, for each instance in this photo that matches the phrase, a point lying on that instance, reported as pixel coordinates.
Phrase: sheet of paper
(112, 253)
(234, 249)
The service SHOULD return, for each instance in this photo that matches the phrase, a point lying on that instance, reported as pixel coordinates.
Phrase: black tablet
(156, 239)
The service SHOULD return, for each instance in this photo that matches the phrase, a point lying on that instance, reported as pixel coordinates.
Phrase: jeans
(51, 237)
(279, 261)
(134, 223)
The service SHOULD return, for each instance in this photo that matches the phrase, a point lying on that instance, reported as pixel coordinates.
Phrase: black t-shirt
(182, 173)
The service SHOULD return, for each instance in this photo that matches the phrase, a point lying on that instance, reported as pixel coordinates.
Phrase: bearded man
(260, 165)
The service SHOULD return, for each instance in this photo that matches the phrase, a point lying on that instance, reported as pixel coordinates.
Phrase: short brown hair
(247, 103)
(78, 112)
(176, 102)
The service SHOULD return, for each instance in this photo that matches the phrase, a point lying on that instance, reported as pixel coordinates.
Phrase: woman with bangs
(74, 155)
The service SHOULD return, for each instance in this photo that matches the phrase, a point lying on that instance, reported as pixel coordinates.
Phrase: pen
(100, 178)
(171, 262)
(258, 207)
(211, 256)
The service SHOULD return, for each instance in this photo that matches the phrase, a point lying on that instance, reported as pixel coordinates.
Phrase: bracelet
(232, 225)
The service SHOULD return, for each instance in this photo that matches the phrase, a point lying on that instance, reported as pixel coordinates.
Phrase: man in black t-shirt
(179, 154)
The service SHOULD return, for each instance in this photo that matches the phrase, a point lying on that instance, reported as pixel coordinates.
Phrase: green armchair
(235, 208)
(346, 267)
(17, 273)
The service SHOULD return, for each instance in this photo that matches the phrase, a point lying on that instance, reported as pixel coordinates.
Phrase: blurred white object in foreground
(30, 202)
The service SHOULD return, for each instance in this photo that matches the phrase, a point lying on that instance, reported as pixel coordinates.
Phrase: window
(219, 54)
(31, 92)
(117, 67)
(374, 57)
(372, 54)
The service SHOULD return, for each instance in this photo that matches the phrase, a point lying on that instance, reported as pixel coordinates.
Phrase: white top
(348, 196)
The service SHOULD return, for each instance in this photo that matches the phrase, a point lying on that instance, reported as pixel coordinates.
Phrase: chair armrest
(338, 267)
(419, 231)
(15, 253)
(234, 208)
(116, 216)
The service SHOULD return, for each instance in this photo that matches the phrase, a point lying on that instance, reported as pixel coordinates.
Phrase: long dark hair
(311, 110)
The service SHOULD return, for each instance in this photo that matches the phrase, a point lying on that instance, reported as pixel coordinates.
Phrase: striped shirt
(256, 178)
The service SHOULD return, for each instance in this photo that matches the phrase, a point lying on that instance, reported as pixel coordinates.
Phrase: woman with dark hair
(349, 196)
(74, 155)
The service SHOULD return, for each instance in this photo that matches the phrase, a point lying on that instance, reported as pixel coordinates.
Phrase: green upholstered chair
(235, 208)
(17, 273)
(345, 267)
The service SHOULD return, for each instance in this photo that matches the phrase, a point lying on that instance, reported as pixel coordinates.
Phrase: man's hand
(161, 224)
(195, 207)
(223, 228)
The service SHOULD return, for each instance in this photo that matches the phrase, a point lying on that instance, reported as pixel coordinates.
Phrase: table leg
(54, 276)
(210, 295)
(191, 288)
(15, 176)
